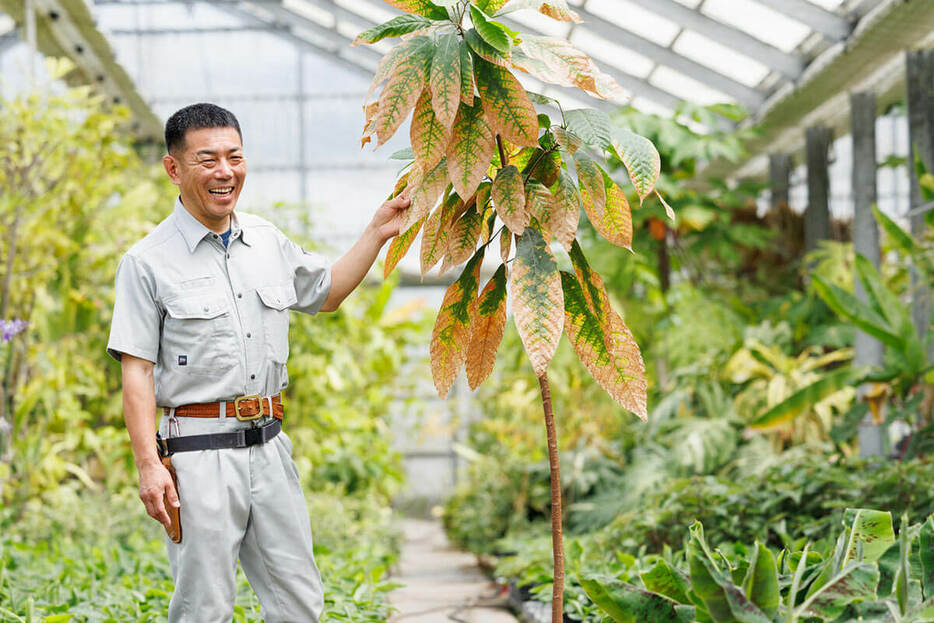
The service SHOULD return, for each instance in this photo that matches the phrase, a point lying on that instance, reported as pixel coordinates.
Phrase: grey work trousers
(246, 504)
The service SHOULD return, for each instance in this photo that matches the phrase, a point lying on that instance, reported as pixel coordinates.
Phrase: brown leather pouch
(174, 529)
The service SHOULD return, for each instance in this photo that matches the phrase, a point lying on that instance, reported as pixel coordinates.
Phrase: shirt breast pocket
(197, 336)
(276, 301)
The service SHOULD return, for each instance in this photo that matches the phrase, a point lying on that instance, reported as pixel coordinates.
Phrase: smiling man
(200, 326)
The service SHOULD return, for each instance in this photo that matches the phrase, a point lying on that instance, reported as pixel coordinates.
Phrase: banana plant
(869, 575)
(484, 166)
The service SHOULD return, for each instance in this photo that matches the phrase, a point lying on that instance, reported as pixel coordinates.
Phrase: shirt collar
(194, 231)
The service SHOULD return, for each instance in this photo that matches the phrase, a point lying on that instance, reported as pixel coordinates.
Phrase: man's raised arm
(139, 408)
(349, 270)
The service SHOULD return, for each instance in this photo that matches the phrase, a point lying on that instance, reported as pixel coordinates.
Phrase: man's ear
(171, 168)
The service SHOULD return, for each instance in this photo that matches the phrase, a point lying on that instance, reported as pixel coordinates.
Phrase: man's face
(209, 172)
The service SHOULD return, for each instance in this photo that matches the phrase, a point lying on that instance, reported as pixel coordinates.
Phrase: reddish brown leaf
(509, 111)
(488, 329)
(400, 246)
(509, 199)
(428, 135)
(437, 232)
(538, 302)
(470, 149)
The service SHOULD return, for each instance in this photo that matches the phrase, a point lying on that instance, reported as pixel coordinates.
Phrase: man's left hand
(388, 218)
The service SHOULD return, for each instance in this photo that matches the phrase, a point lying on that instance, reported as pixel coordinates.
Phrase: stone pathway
(442, 584)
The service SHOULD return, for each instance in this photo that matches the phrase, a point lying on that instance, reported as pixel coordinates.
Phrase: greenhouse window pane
(536, 21)
(690, 3)
(720, 58)
(373, 12)
(830, 5)
(315, 14)
(761, 22)
(634, 18)
(602, 50)
(686, 88)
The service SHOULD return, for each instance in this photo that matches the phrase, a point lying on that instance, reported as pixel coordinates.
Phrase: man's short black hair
(195, 117)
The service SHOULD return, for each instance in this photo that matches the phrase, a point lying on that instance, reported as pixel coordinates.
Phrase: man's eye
(236, 158)
(208, 163)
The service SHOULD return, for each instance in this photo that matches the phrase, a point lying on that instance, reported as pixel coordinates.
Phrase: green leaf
(593, 126)
(665, 580)
(872, 528)
(905, 242)
(926, 550)
(490, 31)
(858, 313)
(470, 149)
(640, 157)
(806, 397)
(627, 603)
(425, 8)
(445, 79)
(903, 577)
(761, 581)
(538, 303)
(405, 153)
(567, 208)
(509, 111)
(542, 100)
(855, 582)
(393, 28)
(484, 50)
(488, 329)
(428, 135)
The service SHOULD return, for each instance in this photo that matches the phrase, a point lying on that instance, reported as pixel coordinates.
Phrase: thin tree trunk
(557, 541)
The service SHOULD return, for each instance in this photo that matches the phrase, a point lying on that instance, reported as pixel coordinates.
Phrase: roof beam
(745, 95)
(833, 26)
(747, 45)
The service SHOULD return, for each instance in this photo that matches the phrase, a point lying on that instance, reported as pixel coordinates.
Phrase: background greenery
(74, 539)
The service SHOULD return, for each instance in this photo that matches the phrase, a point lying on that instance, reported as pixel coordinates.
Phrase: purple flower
(10, 328)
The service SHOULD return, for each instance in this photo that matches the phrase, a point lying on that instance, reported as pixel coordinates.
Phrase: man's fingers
(172, 494)
(398, 203)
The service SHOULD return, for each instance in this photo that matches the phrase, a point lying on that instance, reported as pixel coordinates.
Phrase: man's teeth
(221, 191)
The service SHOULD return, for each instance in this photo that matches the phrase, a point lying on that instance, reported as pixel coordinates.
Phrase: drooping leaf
(426, 194)
(470, 149)
(852, 309)
(451, 333)
(369, 123)
(405, 153)
(538, 302)
(666, 580)
(615, 221)
(540, 205)
(509, 199)
(424, 8)
(626, 603)
(491, 32)
(555, 9)
(445, 78)
(761, 582)
(630, 390)
(505, 244)
(400, 246)
(464, 235)
(591, 126)
(466, 73)
(668, 211)
(437, 232)
(428, 135)
(567, 208)
(641, 160)
(486, 51)
(508, 109)
(393, 28)
(556, 61)
(487, 329)
(403, 89)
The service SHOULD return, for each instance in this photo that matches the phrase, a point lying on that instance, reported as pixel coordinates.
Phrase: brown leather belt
(244, 408)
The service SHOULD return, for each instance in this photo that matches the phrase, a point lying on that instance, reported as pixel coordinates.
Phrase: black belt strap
(218, 441)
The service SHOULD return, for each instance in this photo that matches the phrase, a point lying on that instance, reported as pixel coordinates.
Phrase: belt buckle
(248, 418)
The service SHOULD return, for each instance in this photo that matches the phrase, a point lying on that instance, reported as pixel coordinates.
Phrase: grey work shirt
(214, 321)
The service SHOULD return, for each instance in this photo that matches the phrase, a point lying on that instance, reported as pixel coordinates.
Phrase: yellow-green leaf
(555, 9)
(393, 28)
(509, 199)
(509, 111)
(445, 78)
(567, 208)
(402, 90)
(426, 193)
(466, 73)
(490, 6)
(487, 329)
(505, 243)
(470, 149)
(540, 204)
(464, 236)
(592, 126)
(486, 51)
(424, 8)
(429, 137)
(400, 246)
(556, 61)
(614, 222)
(668, 211)
(437, 232)
(592, 188)
(491, 32)
(538, 303)
(567, 140)
(451, 333)
(619, 339)
(641, 160)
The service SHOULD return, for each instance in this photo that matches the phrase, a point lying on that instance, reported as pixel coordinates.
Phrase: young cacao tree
(485, 166)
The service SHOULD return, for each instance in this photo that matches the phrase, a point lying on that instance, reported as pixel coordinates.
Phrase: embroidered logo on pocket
(183, 360)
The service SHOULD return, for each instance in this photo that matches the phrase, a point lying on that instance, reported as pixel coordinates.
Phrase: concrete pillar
(817, 217)
(919, 79)
(779, 180)
(865, 242)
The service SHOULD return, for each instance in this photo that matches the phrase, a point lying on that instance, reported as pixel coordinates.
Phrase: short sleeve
(312, 277)
(137, 317)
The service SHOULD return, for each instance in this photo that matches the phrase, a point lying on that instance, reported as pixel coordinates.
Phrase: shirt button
(228, 256)
(249, 335)
(252, 377)
(215, 236)
(239, 295)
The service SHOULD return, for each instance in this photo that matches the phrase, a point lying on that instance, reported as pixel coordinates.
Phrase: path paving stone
(442, 584)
